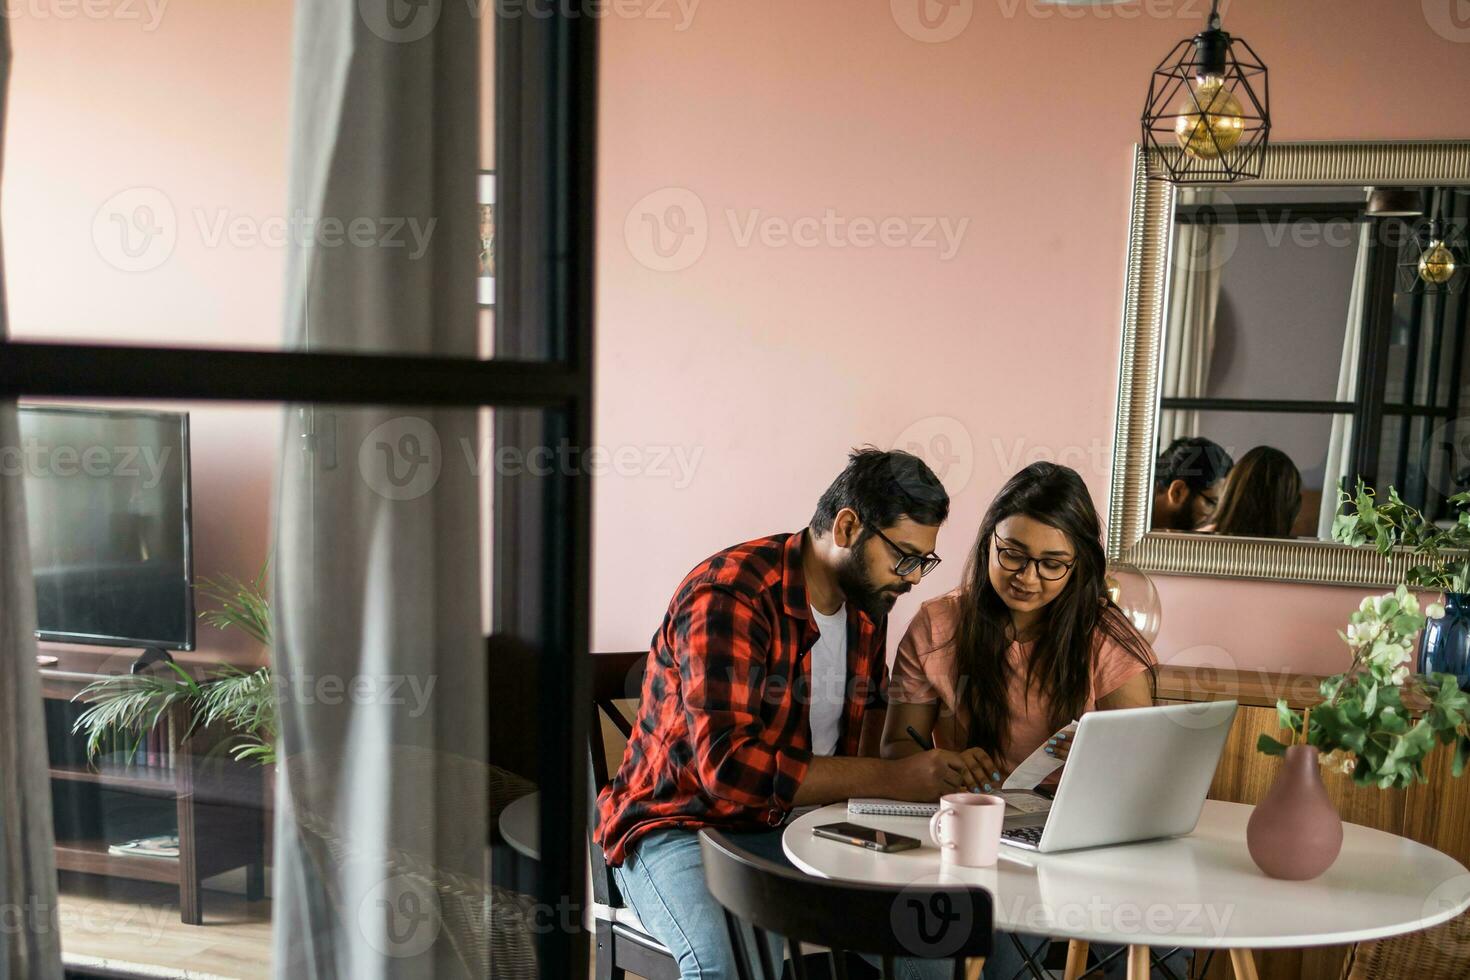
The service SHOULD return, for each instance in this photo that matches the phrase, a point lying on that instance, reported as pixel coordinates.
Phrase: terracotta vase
(1295, 832)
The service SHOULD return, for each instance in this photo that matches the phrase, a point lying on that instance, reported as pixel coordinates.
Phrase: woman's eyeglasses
(1049, 569)
(908, 561)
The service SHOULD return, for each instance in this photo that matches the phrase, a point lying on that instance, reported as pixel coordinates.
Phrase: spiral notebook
(1017, 801)
(869, 806)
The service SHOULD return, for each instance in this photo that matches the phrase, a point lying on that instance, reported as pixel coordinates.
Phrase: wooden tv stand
(219, 804)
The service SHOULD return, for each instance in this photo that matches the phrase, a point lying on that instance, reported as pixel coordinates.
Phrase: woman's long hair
(1062, 658)
(1262, 496)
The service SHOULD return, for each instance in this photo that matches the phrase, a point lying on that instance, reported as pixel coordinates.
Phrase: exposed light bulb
(1437, 264)
(1216, 130)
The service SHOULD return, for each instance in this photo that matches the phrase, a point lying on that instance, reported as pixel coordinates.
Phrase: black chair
(622, 942)
(763, 899)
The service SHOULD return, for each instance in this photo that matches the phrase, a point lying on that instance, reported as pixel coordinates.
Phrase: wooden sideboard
(1436, 813)
(216, 805)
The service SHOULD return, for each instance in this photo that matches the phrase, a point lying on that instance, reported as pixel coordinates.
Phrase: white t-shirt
(829, 681)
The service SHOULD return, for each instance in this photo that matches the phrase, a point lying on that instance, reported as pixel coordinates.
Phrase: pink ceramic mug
(967, 828)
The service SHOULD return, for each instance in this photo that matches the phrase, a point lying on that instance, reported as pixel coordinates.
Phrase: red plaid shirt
(722, 736)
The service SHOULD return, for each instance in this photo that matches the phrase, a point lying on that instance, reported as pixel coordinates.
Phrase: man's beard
(1184, 517)
(858, 588)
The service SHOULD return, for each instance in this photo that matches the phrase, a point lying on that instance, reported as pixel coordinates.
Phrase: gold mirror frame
(1145, 303)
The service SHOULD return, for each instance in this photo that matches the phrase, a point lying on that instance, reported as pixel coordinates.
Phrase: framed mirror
(1282, 338)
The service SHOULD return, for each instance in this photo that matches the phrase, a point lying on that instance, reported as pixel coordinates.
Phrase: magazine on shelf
(159, 846)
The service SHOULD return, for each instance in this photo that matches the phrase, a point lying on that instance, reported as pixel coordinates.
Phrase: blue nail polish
(1051, 741)
(995, 775)
(1050, 750)
(987, 787)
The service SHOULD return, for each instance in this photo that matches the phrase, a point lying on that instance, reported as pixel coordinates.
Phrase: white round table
(1197, 891)
(519, 825)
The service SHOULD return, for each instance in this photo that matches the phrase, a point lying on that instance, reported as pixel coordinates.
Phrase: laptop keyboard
(1026, 835)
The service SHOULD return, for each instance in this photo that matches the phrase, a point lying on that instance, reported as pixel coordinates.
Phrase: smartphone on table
(871, 838)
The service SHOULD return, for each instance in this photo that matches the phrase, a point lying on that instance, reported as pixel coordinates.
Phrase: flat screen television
(107, 505)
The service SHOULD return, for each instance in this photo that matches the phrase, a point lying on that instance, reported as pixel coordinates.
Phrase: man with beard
(1188, 479)
(764, 691)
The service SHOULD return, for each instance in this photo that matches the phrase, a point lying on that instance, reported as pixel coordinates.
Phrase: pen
(922, 743)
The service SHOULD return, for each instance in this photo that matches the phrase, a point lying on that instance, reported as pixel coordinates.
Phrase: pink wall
(771, 359)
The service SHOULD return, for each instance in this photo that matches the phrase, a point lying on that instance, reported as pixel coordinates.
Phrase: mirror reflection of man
(1188, 478)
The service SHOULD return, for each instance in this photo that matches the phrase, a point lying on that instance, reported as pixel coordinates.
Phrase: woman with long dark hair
(1028, 642)
(1262, 496)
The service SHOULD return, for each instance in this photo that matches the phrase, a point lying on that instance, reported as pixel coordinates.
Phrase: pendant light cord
(1214, 20)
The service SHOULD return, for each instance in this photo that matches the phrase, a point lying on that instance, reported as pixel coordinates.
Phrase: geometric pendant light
(1207, 116)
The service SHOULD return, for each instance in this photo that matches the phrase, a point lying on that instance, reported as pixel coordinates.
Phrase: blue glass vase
(1445, 646)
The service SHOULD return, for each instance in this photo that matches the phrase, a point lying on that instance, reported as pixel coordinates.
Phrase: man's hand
(926, 776)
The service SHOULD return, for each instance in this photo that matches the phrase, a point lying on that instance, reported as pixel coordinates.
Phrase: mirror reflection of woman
(1262, 496)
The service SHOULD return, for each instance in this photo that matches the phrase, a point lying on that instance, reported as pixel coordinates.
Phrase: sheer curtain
(29, 943)
(1339, 443)
(380, 811)
(1200, 252)
(30, 947)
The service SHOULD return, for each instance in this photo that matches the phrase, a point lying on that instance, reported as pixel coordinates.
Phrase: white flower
(1384, 653)
(1434, 611)
(1400, 674)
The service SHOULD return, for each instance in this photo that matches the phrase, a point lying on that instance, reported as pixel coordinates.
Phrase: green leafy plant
(242, 605)
(1378, 721)
(240, 702)
(1444, 562)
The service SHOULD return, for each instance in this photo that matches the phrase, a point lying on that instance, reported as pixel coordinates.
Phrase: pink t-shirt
(926, 671)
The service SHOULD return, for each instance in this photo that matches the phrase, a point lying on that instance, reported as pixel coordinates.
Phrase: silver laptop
(1133, 774)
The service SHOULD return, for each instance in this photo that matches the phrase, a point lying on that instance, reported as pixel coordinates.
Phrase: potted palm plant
(239, 702)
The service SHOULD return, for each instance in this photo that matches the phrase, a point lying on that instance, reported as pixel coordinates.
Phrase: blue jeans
(662, 879)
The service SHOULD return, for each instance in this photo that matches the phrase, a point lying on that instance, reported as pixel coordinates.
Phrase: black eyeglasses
(907, 562)
(1049, 569)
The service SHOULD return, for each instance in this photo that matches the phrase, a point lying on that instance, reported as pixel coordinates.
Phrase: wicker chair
(487, 927)
(1441, 953)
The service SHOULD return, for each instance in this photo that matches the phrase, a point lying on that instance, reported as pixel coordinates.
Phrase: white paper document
(1038, 765)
